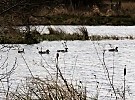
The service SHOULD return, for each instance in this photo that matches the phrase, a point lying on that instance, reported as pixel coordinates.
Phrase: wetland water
(83, 62)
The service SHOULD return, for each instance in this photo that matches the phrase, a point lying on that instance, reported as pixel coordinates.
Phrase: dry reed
(44, 89)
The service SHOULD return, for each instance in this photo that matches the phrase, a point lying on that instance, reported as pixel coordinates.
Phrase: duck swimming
(44, 52)
(114, 50)
(21, 51)
(66, 50)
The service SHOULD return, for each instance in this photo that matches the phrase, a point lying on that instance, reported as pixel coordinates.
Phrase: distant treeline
(26, 5)
(27, 12)
(7, 4)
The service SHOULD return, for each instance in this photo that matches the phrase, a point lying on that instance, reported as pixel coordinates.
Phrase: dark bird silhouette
(21, 51)
(66, 50)
(114, 50)
(44, 52)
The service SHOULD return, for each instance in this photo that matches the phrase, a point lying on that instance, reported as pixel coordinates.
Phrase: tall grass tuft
(58, 31)
(45, 89)
(51, 31)
(84, 31)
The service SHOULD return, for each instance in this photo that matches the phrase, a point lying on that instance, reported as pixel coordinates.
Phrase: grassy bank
(14, 36)
(86, 20)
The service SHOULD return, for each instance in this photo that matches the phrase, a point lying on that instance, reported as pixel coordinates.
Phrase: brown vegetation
(45, 89)
(66, 12)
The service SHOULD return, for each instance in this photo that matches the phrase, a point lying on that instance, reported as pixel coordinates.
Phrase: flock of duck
(64, 50)
(47, 51)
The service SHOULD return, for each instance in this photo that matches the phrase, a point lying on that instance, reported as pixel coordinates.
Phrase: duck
(44, 52)
(114, 50)
(66, 50)
(21, 51)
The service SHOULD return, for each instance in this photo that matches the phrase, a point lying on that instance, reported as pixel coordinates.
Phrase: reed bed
(45, 89)
(58, 34)
(82, 34)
